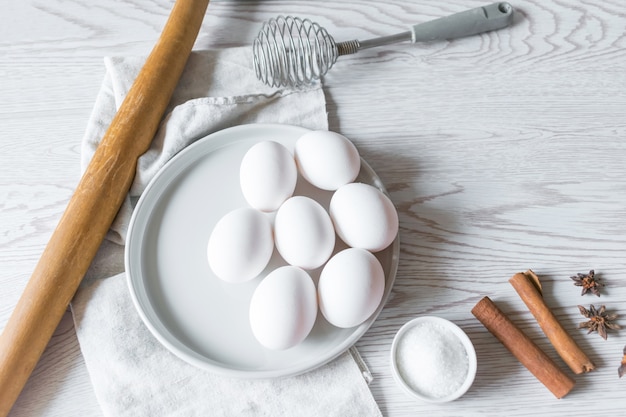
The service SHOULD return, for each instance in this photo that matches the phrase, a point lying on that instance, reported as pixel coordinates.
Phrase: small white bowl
(463, 338)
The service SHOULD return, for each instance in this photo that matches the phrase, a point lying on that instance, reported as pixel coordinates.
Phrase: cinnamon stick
(523, 348)
(528, 287)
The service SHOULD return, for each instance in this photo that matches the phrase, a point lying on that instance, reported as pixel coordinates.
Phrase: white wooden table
(501, 152)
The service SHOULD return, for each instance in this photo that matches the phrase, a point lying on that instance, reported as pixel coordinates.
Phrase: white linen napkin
(132, 373)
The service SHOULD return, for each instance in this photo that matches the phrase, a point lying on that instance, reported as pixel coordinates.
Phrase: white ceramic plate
(195, 315)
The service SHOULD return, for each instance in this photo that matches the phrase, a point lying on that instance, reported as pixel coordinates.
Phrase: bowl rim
(467, 344)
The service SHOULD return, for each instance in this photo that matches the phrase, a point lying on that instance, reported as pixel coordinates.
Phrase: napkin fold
(131, 372)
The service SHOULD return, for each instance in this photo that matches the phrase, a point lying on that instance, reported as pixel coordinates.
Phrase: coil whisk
(290, 51)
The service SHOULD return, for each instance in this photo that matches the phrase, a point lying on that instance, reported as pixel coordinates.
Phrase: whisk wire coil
(292, 51)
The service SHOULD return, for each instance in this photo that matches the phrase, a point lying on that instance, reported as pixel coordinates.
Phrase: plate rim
(133, 282)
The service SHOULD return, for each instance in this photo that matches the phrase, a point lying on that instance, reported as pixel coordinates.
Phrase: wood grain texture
(95, 203)
(502, 152)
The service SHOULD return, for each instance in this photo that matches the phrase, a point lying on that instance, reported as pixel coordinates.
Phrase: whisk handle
(466, 23)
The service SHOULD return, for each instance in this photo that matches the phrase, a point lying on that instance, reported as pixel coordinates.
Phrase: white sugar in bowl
(433, 360)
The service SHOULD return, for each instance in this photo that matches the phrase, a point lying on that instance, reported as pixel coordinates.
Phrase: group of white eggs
(284, 305)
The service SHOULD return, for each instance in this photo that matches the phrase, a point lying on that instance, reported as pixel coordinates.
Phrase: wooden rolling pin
(95, 203)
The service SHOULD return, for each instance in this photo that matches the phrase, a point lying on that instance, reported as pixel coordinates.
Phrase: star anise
(589, 282)
(599, 320)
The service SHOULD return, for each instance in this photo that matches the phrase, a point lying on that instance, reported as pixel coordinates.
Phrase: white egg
(350, 287)
(283, 308)
(364, 217)
(304, 233)
(267, 175)
(327, 159)
(240, 245)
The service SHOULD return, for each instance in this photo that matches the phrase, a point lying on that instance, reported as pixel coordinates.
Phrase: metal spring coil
(291, 51)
